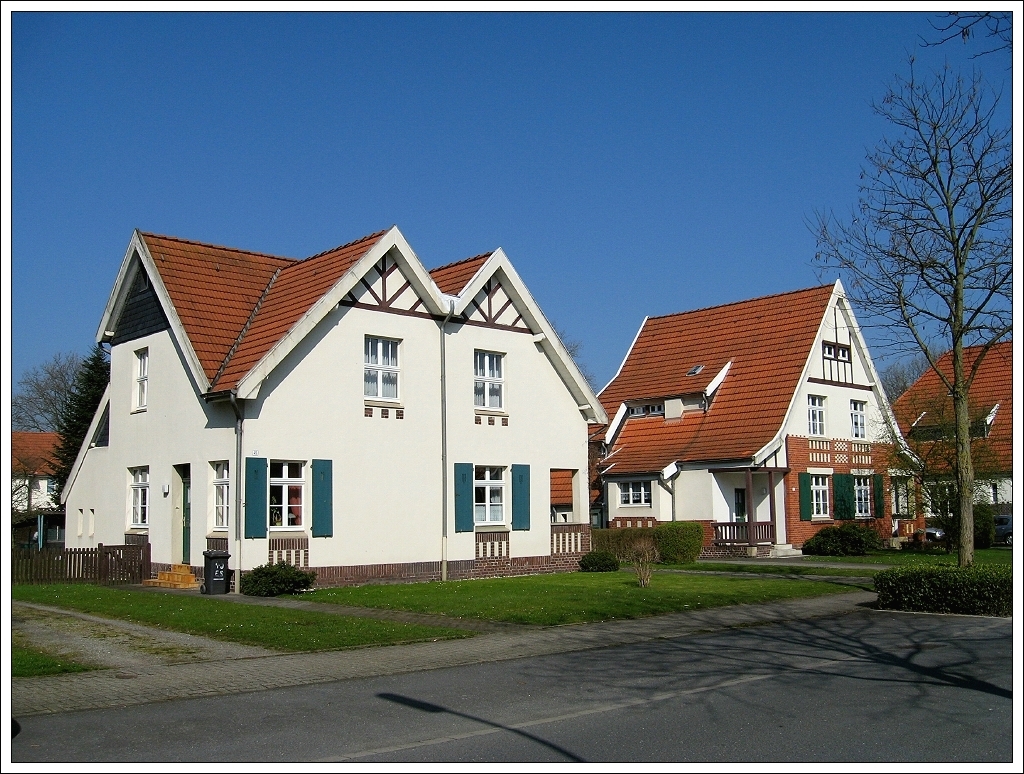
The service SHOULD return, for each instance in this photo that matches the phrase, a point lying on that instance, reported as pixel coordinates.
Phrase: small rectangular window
(140, 497)
(862, 496)
(819, 496)
(488, 380)
(635, 493)
(141, 379)
(815, 415)
(858, 428)
(636, 411)
(221, 495)
(380, 368)
(286, 494)
(488, 495)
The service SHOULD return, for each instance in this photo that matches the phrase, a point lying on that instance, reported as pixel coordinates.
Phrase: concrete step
(785, 550)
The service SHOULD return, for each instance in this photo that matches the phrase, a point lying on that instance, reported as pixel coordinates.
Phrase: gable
(385, 288)
(141, 314)
(492, 306)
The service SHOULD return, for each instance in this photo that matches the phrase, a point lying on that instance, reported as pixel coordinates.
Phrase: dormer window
(636, 411)
(695, 370)
(655, 408)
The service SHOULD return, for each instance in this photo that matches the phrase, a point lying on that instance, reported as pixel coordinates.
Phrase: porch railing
(736, 532)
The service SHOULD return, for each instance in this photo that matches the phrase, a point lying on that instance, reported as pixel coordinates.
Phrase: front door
(186, 520)
(740, 499)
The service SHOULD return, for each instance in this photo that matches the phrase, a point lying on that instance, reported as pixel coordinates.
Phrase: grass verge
(931, 557)
(269, 627)
(27, 661)
(772, 569)
(573, 597)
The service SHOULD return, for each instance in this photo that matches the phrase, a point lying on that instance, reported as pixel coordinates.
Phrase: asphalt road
(869, 686)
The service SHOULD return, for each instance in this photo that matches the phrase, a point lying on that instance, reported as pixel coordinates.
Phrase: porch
(745, 529)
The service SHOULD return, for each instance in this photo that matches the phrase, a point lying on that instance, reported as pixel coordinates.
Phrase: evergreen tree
(76, 414)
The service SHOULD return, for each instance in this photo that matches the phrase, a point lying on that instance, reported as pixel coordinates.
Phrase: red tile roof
(993, 385)
(299, 285)
(768, 340)
(453, 277)
(213, 289)
(31, 453)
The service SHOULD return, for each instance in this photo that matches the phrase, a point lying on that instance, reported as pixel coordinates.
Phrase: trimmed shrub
(599, 561)
(845, 540)
(984, 525)
(271, 580)
(979, 590)
(679, 542)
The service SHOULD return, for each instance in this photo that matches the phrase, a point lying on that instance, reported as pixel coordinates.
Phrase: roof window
(695, 370)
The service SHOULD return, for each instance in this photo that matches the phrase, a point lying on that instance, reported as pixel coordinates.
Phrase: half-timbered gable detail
(492, 306)
(350, 412)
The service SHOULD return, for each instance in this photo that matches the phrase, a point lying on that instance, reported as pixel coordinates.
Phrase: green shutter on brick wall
(846, 500)
(878, 494)
(323, 498)
(805, 496)
(255, 497)
(463, 496)
(520, 497)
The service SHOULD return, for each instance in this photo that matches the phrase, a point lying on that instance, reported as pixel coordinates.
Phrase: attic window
(636, 411)
(695, 370)
(835, 351)
(655, 408)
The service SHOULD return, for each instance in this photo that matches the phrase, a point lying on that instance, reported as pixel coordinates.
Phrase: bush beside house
(678, 542)
(271, 580)
(844, 540)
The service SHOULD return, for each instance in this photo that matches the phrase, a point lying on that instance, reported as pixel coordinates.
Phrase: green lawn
(573, 597)
(27, 661)
(771, 569)
(270, 627)
(930, 557)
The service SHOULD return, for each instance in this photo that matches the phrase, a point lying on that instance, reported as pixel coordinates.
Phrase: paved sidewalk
(107, 688)
(860, 581)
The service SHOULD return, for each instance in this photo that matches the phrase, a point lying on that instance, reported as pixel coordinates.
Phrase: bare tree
(42, 391)
(997, 26)
(574, 348)
(928, 251)
(898, 377)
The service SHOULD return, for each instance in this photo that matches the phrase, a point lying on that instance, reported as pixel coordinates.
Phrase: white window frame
(488, 380)
(816, 415)
(141, 392)
(381, 361)
(287, 482)
(139, 502)
(858, 421)
(489, 494)
(221, 494)
(862, 496)
(634, 494)
(819, 497)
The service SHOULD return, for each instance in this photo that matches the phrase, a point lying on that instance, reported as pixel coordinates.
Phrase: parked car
(1004, 529)
(934, 534)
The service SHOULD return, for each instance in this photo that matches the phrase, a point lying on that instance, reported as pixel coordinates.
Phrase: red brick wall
(842, 459)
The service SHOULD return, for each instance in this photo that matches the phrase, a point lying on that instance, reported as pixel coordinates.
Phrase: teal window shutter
(323, 498)
(463, 496)
(878, 495)
(255, 497)
(805, 496)
(846, 500)
(520, 497)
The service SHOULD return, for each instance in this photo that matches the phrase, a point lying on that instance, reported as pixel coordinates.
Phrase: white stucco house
(767, 410)
(350, 412)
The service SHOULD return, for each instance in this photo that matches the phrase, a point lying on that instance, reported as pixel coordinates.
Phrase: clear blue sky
(629, 165)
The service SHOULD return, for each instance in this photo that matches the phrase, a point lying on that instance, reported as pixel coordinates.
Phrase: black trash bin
(217, 576)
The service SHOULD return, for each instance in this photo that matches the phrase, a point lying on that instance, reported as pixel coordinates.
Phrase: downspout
(444, 448)
(233, 397)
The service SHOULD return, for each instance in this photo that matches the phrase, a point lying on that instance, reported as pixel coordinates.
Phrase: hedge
(845, 540)
(271, 580)
(599, 561)
(678, 542)
(977, 590)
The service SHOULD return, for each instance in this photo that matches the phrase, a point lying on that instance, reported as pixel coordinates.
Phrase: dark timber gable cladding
(142, 313)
